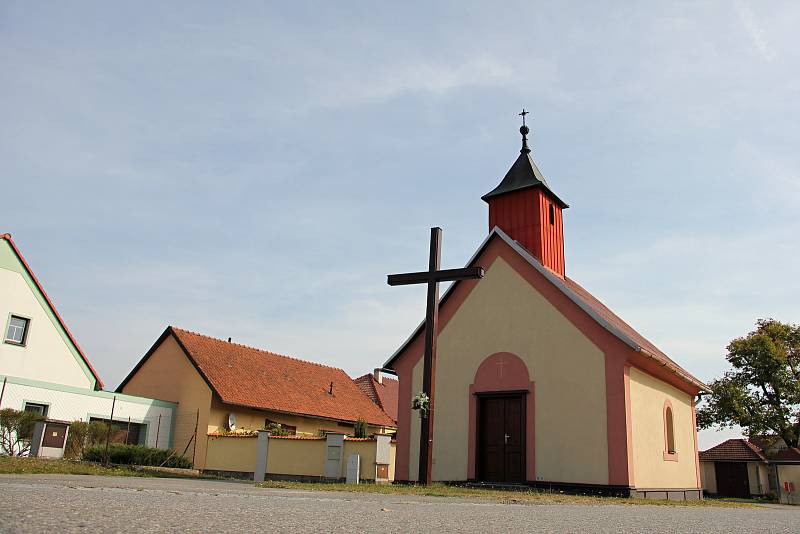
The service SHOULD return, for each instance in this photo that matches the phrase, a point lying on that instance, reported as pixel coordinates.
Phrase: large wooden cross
(431, 277)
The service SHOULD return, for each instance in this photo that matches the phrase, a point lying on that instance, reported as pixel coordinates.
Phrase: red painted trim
(491, 377)
(7, 237)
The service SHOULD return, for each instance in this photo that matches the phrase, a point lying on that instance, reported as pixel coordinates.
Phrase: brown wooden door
(501, 439)
(732, 479)
(54, 435)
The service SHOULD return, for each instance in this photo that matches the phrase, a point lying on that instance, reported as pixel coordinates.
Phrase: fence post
(194, 447)
(108, 432)
(3, 391)
(262, 451)
(158, 429)
(128, 432)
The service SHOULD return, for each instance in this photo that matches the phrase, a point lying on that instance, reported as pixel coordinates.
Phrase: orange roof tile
(384, 394)
(246, 376)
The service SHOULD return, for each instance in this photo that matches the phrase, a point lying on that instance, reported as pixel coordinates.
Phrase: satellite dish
(231, 421)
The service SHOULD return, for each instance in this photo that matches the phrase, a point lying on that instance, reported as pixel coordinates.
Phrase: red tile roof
(99, 381)
(384, 394)
(733, 450)
(644, 344)
(246, 376)
(787, 455)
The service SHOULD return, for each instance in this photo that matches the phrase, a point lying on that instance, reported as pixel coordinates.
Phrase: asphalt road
(75, 503)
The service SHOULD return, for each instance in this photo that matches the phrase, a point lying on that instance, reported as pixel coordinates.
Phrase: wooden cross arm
(445, 275)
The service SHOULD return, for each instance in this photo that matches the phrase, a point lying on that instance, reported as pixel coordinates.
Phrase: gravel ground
(75, 503)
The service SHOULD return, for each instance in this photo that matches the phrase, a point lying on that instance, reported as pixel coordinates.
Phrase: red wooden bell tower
(524, 207)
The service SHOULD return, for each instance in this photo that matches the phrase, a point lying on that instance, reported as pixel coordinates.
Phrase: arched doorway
(501, 446)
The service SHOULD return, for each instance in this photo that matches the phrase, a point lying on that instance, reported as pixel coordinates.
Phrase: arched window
(670, 432)
(669, 429)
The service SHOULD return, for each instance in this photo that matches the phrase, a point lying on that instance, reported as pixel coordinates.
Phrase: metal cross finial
(523, 115)
(524, 130)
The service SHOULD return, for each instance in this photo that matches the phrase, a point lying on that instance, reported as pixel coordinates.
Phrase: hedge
(119, 453)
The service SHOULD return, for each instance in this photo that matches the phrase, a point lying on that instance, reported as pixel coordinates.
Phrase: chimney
(378, 374)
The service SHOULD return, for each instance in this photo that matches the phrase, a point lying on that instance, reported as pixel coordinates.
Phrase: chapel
(538, 382)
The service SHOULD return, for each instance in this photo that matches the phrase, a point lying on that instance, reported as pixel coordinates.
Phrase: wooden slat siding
(525, 216)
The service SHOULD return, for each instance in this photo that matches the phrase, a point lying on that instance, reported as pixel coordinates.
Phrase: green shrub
(82, 435)
(16, 431)
(119, 453)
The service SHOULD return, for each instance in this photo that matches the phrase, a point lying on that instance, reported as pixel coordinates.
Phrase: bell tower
(524, 207)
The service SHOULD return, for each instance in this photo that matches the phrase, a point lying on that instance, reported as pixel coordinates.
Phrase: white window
(17, 330)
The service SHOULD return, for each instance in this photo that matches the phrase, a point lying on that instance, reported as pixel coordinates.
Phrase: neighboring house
(220, 385)
(743, 469)
(43, 369)
(537, 382)
(735, 468)
(382, 390)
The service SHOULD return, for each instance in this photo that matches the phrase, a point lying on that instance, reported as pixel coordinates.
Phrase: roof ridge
(259, 350)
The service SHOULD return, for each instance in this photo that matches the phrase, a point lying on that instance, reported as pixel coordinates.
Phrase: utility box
(49, 439)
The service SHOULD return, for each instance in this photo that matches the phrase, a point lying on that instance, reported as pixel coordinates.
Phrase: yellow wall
(296, 457)
(367, 451)
(288, 456)
(231, 454)
(169, 375)
(46, 356)
(504, 313)
(247, 418)
(647, 418)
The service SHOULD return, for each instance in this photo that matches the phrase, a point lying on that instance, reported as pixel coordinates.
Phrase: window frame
(45, 407)
(669, 431)
(25, 332)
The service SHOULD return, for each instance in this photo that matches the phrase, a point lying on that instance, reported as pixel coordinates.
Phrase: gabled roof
(733, 450)
(255, 378)
(98, 381)
(583, 299)
(523, 174)
(383, 394)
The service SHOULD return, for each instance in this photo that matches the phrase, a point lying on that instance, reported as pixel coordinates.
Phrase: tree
(761, 393)
(16, 431)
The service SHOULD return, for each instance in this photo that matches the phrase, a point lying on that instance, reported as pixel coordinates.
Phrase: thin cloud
(755, 31)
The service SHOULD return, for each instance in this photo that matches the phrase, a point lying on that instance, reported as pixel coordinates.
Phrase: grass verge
(532, 496)
(14, 465)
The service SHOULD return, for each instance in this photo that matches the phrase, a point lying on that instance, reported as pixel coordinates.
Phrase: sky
(254, 170)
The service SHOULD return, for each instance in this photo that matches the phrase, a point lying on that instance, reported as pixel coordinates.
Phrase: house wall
(48, 355)
(651, 469)
(169, 375)
(708, 477)
(67, 403)
(247, 418)
(789, 473)
(504, 313)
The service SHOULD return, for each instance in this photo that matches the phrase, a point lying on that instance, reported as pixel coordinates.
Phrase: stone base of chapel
(664, 494)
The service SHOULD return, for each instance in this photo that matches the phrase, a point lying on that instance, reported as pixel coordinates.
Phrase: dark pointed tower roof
(523, 174)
